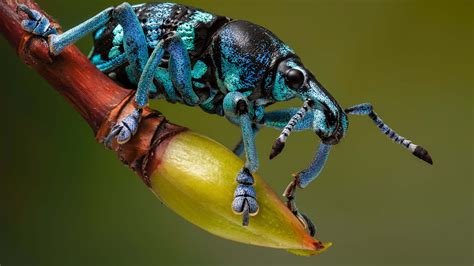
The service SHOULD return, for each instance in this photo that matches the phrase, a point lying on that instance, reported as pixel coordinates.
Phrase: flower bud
(196, 177)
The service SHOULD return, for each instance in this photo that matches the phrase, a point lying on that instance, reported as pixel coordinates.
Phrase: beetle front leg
(239, 147)
(302, 179)
(279, 120)
(236, 109)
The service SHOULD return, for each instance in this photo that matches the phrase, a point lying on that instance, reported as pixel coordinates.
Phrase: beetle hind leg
(236, 109)
(39, 25)
(36, 22)
(279, 119)
(125, 129)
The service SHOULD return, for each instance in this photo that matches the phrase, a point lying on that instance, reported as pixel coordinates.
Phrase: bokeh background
(65, 200)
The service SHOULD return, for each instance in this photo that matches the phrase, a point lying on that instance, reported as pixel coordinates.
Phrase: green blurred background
(65, 200)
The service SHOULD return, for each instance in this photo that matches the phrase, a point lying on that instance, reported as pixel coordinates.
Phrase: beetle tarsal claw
(309, 224)
(301, 219)
(245, 215)
(245, 211)
(290, 194)
(125, 129)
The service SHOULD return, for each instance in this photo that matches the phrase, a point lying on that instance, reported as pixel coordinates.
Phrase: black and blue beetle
(231, 68)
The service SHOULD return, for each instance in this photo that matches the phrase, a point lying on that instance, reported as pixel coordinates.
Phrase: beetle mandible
(231, 68)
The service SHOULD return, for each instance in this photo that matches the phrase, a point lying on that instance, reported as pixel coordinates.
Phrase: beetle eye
(294, 78)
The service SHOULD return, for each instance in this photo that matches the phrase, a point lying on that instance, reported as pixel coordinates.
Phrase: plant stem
(99, 100)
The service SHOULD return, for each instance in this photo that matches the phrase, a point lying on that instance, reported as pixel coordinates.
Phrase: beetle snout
(330, 129)
(332, 139)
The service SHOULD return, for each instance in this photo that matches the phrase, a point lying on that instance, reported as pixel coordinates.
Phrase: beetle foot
(245, 202)
(290, 194)
(125, 129)
(36, 23)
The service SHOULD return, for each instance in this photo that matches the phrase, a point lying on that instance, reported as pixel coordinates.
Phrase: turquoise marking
(114, 52)
(117, 42)
(157, 16)
(259, 112)
(186, 29)
(99, 33)
(118, 35)
(280, 91)
(202, 17)
(96, 59)
(200, 68)
(198, 85)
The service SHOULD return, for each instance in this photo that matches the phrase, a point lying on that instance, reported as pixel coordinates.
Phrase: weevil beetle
(232, 68)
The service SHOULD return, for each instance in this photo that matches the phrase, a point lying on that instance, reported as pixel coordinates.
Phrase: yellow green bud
(196, 177)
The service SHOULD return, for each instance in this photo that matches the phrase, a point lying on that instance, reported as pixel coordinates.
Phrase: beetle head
(291, 80)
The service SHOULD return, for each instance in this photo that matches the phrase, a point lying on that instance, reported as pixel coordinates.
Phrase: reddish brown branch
(96, 97)
(89, 91)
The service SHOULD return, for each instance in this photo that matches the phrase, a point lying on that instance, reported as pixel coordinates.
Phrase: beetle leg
(38, 24)
(239, 148)
(140, 65)
(302, 179)
(290, 194)
(179, 68)
(134, 41)
(236, 109)
(279, 119)
(126, 128)
(163, 77)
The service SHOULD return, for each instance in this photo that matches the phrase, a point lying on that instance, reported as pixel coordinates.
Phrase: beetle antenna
(417, 150)
(280, 141)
